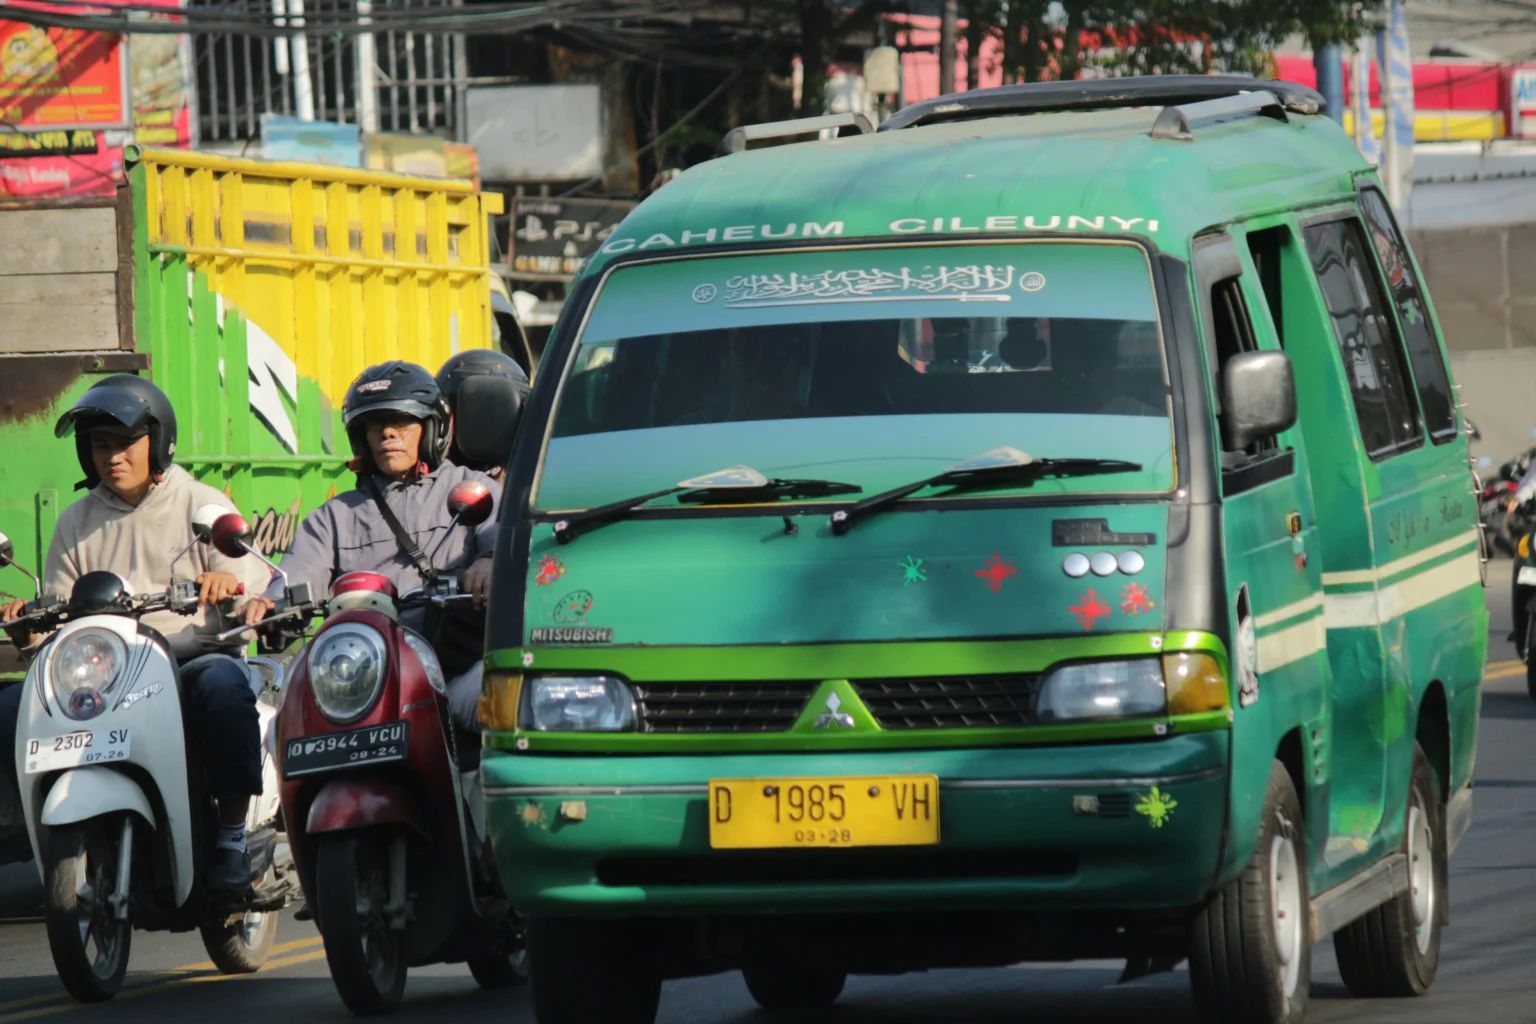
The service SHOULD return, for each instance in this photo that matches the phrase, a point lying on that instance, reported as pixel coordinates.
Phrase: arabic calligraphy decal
(969, 283)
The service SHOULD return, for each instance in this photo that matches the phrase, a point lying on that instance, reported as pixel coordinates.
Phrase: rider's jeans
(221, 712)
(10, 709)
(464, 698)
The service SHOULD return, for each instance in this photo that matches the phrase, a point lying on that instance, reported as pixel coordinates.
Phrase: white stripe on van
(1290, 611)
(1292, 644)
(1381, 572)
(1372, 607)
(1355, 611)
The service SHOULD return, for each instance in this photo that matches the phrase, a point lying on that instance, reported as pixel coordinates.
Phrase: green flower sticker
(1157, 807)
(912, 571)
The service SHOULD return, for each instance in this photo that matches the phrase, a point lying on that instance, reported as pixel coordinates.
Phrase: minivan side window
(1429, 374)
(1374, 365)
(1234, 336)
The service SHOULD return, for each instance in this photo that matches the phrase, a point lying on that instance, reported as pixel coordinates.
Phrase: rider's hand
(213, 587)
(12, 610)
(256, 610)
(477, 580)
(21, 636)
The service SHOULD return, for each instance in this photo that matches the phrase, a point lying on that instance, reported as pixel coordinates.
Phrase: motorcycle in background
(381, 795)
(120, 828)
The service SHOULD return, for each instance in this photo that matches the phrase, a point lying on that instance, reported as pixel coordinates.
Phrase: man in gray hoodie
(135, 521)
(398, 423)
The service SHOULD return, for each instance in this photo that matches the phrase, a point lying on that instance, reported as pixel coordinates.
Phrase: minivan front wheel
(1395, 949)
(1250, 954)
(588, 970)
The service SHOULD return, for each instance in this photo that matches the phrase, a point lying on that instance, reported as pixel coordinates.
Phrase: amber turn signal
(1195, 683)
(499, 692)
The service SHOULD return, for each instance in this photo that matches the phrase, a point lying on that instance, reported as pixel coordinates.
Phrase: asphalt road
(1485, 972)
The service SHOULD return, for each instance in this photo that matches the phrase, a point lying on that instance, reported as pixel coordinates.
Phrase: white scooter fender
(70, 768)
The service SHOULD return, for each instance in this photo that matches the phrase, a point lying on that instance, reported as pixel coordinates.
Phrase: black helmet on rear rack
(478, 362)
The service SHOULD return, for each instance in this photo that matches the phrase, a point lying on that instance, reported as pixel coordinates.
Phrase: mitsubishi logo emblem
(832, 716)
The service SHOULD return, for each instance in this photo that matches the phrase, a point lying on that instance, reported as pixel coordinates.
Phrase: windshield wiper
(734, 484)
(1000, 467)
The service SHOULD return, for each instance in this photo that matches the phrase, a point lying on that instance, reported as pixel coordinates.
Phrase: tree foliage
(1061, 40)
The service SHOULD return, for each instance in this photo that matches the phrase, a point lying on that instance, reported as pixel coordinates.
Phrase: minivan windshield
(877, 365)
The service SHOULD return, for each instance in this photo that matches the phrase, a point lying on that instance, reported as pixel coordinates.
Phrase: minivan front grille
(951, 702)
(764, 706)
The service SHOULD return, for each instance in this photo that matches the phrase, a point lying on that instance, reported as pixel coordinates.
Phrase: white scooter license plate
(1526, 576)
(73, 749)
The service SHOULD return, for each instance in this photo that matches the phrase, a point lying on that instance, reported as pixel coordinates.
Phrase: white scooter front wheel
(85, 869)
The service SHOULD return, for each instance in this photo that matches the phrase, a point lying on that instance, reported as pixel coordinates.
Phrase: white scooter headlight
(346, 671)
(83, 670)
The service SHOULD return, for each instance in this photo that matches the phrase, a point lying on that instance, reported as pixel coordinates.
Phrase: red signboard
(61, 78)
(59, 88)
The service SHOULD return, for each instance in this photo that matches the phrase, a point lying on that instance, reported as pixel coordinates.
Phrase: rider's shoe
(229, 870)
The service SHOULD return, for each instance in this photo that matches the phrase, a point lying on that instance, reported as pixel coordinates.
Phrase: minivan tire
(1250, 959)
(583, 971)
(792, 986)
(1395, 949)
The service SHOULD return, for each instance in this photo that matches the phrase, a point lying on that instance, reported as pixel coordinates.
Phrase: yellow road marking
(281, 947)
(1505, 670)
(188, 973)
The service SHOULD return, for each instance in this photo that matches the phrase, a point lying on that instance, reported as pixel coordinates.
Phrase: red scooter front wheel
(366, 956)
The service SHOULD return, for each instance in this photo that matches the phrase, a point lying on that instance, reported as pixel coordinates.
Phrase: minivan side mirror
(1258, 397)
(489, 409)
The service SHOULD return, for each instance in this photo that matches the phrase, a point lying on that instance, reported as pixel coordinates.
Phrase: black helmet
(477, 362)
(398, 386)
(125, 401)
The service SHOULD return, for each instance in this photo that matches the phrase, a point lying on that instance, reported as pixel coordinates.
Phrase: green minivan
(1038, 529)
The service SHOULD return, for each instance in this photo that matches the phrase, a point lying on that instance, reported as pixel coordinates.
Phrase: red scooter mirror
(471, 502)
(230, 534)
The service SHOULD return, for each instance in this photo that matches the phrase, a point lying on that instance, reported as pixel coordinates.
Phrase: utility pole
(948, 25)
(303, 86)
(367, 68)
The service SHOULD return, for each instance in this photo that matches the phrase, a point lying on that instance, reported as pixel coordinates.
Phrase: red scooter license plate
(307, 755)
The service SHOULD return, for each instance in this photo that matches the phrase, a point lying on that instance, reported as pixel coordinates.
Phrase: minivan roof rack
(1180, 122)
(737, 138)
(1102, 94)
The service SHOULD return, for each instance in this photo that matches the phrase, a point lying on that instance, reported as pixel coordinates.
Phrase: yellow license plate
(891, 810)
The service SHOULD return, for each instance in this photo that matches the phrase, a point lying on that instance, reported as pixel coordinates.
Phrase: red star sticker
(1134, 599)
(1090, 608)
(550, 570)
(997, 571)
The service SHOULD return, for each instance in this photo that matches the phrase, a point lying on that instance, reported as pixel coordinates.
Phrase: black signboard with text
(553, 236)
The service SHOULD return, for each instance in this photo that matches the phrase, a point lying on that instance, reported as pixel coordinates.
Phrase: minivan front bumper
(1047, 827)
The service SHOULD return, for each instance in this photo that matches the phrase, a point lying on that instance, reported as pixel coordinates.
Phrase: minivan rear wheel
(1395, 949)
(1250, 958)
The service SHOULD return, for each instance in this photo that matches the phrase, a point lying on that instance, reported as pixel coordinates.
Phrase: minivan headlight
(84, 669)
(1103, 689)
(577, 704)
(346, 671)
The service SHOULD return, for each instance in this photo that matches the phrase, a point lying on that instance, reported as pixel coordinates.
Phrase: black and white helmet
(402, 387)
(127, 402)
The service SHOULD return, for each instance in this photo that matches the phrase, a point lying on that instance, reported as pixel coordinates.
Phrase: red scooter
(374, 784)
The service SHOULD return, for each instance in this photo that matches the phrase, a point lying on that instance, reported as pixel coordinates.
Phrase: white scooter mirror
(204, 518)
(8, 559)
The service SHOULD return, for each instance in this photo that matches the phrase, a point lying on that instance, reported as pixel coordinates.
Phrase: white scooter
(120, 828)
